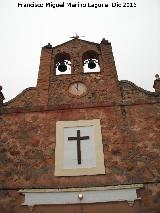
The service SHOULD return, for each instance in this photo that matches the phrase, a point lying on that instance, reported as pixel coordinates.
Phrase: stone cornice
(43, 108)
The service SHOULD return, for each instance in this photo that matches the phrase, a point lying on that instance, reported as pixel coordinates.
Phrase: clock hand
(77, 86)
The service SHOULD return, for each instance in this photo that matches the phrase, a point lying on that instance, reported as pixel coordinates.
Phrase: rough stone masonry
(130, 124)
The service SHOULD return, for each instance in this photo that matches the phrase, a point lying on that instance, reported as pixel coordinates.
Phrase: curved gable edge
(19, 96)
(129, 84)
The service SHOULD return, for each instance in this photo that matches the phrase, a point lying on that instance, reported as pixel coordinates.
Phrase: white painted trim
(90, 195)
(132, 186)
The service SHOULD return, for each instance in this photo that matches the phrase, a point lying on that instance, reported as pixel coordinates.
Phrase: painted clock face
(77, 89)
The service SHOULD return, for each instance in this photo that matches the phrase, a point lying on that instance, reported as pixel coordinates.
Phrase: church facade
(81, 140)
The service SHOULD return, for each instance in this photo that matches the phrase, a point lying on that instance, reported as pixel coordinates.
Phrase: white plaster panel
(89, 196)
(88, 154)
(66, 163)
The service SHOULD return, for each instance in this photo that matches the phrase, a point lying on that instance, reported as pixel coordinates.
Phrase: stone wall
(130, 123)
(130, 137)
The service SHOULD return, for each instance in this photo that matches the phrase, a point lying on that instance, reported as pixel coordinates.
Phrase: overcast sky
(133, 32)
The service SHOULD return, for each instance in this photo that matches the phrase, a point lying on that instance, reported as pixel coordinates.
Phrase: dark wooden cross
(78, 139)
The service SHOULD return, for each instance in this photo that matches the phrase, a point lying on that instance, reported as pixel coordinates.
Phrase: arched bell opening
(62, 63)
(90, 62)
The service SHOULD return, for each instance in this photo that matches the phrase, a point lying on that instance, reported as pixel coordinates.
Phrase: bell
(62, 67)
(91, 64)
